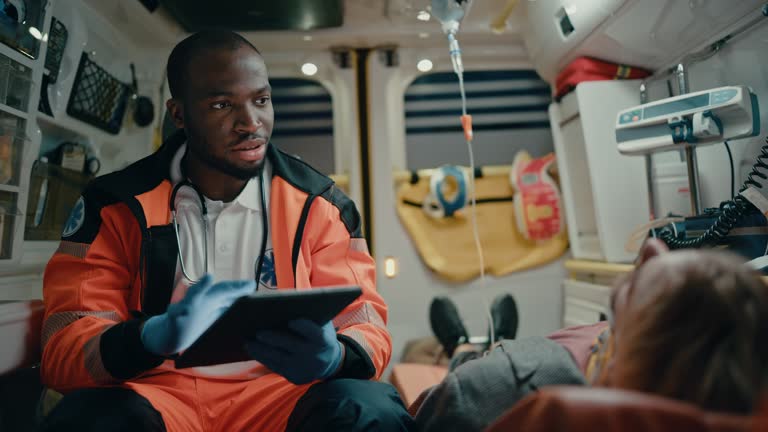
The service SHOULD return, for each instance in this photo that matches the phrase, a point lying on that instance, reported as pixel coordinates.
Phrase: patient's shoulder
(580, 341)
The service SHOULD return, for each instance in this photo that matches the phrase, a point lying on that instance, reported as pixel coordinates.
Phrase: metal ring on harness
(447, 192)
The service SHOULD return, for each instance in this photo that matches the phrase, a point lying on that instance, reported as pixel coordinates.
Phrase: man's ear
(176, 109)
(651, 248)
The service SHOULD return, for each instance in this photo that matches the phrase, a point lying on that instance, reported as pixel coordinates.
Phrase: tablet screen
(224, 341)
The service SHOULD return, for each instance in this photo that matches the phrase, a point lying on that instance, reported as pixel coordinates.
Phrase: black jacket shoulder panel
(144, 174)
(347, 210)
(84, 219)
(298, 173)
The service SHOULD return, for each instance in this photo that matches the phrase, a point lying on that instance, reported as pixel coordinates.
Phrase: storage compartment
(97, 97)
(20, 323)
(8, 213)
(15, 83)
(585, 303)
(644, 33)
(12, 141)
(53, 191)
(598, 295)
(605, 193)
(555, 28)
(580, 191)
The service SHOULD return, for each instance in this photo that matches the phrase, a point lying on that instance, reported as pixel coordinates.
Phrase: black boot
(446, 324)
(505, 318)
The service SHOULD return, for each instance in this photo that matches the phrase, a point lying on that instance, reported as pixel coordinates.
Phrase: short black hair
(194, 45)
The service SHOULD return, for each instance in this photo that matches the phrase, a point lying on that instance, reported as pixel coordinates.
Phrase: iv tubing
(466, 122)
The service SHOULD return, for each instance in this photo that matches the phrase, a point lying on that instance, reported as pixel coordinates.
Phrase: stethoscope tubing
(204, 217)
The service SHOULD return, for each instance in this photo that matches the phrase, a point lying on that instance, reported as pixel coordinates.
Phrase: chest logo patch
(268, 277)
(76, 219)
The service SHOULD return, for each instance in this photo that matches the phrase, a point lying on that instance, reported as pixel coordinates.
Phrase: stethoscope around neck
(204, 218)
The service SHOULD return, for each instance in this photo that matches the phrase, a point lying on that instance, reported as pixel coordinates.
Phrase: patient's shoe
(446, 324)
(505, 319)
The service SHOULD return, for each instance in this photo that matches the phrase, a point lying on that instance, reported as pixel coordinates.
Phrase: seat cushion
(19, 394)
(577, 409)
(20, 323)
(411, 379)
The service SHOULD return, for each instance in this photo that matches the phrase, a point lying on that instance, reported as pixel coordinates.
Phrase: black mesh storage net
(97, 97)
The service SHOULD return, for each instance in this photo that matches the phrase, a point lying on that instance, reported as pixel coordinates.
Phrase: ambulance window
(304, 121)
(509, 113)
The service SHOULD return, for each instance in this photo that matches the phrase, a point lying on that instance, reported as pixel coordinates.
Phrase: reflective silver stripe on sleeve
(78, 250)
(359, 337)
(364, 313)
(59, 320)
(358, 244)
(92, 359)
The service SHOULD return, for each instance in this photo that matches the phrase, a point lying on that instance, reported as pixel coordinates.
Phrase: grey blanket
(478, 392)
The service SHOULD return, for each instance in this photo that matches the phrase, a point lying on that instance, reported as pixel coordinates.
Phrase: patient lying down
(689, 325)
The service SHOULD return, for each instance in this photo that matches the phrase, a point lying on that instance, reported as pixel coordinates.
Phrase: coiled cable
(730, 211)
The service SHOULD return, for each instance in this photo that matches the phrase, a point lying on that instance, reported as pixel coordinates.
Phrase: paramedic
(687, 325)
(129, 286)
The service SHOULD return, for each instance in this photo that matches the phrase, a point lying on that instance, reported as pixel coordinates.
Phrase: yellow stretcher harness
(447, 245)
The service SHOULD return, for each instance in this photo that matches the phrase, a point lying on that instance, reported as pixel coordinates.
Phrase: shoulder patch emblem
(76, 219)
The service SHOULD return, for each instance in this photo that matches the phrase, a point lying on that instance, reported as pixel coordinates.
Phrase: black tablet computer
(224, 340)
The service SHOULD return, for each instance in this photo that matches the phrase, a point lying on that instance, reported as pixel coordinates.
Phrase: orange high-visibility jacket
(116, 263)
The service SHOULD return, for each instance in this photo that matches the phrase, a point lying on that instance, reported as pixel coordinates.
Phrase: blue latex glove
(186, 320)
(303, 353)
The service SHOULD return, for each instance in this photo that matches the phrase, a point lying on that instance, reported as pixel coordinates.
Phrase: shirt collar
(176, 175)
(250, 196)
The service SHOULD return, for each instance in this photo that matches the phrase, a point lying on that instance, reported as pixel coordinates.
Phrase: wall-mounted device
(700, 118)
(693, 119)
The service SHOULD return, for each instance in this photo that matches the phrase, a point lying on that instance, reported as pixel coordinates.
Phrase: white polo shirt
(235, 232)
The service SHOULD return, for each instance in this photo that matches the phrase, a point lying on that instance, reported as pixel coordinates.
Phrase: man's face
(226, 111)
